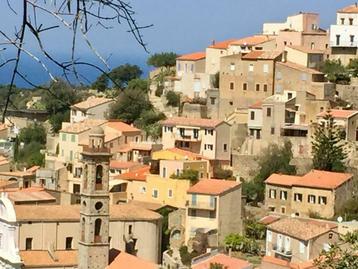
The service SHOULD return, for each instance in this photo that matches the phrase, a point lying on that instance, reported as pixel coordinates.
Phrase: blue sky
(180, 26)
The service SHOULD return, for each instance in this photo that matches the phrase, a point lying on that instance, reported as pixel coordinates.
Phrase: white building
(92, 108)
(344, 34)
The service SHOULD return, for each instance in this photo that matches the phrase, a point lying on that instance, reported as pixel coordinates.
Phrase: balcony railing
(186, 137)
(281, 251)
(201, 205)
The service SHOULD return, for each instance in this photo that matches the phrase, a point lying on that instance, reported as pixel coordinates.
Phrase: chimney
(213, 42)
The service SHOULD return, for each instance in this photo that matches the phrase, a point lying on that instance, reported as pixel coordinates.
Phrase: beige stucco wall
(173, 167)
(212, 64)
(99, 112)
(278, 203)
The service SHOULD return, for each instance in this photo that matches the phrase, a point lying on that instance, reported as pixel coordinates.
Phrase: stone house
(292, 242)
(214, 207)
(318, 192)
(92, 108)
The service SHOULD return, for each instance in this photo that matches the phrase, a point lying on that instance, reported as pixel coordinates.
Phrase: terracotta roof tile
(121, 126)
(72, 213)
(139, 174)
(42, 258)
(257, 105)
(300, 68)
(269, 219)
(30, 195)
(339, 113)
(92, 102)
(114, 164)
(282, 180)
(223, 44)
(252, 40)
(213, 186)
(303, 229)
(313, 179)
(349, 9)
(126, 261)
(261, 55)
(82, 126)
(323, 179)
(192, 56)
(197, 122)
(306, 50)
(227, 261)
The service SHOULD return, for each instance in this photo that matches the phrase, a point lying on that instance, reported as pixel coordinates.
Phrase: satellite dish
(340, 219)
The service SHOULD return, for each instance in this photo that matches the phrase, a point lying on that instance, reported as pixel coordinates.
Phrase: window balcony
(187, 137)
(282, 253)
(201, 205)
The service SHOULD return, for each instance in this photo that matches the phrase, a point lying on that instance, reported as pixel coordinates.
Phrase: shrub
(173, 98)
(186, 256)
(220, 173)
(243, 244)
(159, 90)
(188, 174)
(255, 230)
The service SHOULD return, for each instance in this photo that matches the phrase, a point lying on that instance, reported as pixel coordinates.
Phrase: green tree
(241, 243)
(31, 154)
(353, 67)
(221, 173)
(173, 98)
(273, 159)
(130, 106)
(254, 229)
(188, 174)
(342, 255)
(215, 80)
(138, 83)
(122, 74)
(328, 146)
(335, 71)
(33, 133)
(149, 122)
(164, 59)
(101, 83)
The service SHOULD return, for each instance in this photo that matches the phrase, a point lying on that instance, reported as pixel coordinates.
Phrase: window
(330, 235)
(244, 86)
(272, 130)
(232, 86)
(272, 208)
(212, 100)
(69, 242)
(272, 194)
(73, 138)
(342, 21)
(63, 137)
(304, 76)
(212, 214)
(209, 131)
(257, 87)
(251, 67)
(266, 68)
(338, 38)
(231, 103)
(322, 200)
(252, 132)
(181, 131)
(209, 146)
(252, 115)
(268, 112)
(283, 210)
(192, 68)
(225, 147)
(193, 212)
(232, 67)
(193, 199)
(350, 21)
(164, 171)
(302, 247)
(170, 193)
(312, 45)
(265, 87)
(285, 43)
(155, 193)
(311, 199)
(28, 243)
(283, 195)
(269, 236)
(351, 38)
(130, 230)
(297, 197)
(178, 66)
(143, 189)
(289, 95)
(71, 155)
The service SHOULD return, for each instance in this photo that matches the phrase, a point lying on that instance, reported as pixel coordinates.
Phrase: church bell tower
(93, 245)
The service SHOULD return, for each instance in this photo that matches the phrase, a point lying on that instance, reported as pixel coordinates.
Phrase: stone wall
(194, 111)
(348, 93)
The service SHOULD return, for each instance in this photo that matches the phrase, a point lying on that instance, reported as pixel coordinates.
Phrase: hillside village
(243, 155)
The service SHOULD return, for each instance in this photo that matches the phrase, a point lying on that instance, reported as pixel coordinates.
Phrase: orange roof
(257, 105)
(261, 55)
(302, 229)
(227, 261)
(285, 264)
(211, 123)
(42, 258)
(32, 194)
(122, 164)
(82, 126)
(339, 113)
(223, 44)
(306, 50)
(33, 169)
(269, 219)
(282, 180)
(213, 186)
(91, 102)
(192, 56)
(251, 40)
(121, 126)
(300, 68)
(125, 261)
(139, 174)
(323, 179)
(314, 179)
(349, 9)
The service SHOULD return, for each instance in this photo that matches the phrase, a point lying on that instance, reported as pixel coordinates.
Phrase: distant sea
(34, 72)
